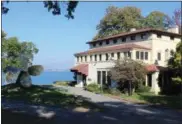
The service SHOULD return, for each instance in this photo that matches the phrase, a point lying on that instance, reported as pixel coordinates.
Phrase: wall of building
(160, 45)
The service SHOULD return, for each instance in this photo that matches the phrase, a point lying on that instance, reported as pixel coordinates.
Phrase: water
(49, 77)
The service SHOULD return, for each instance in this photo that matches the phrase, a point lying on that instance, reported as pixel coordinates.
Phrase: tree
(128, 70)
(53, 6)
(119, 20)
(15, 53)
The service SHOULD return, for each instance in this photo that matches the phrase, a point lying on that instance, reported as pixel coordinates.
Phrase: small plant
(93, 88)
(141, 88)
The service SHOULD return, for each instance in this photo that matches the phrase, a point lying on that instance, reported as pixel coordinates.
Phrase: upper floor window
(146, 55)
(137, 54)
(159, 35)
(171, 37)
(107, 56)
(112, 54)
(94, 44)
(167, 54)
(100, 43)
(118, 55)
(158, 56)
(133, 37)
(141, 55)
(107, 42)
(85, 58)
(95, 57)
(100, 57)
(115, 41)
(90, 57)
(143, 36)
(123, 39)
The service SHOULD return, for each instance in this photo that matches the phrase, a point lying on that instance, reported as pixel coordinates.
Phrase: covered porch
(81, 73)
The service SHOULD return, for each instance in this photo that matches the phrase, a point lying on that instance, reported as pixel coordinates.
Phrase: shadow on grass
(163, 101)
(119, 112)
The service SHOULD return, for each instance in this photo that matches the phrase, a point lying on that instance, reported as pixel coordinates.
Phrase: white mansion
(151, 46)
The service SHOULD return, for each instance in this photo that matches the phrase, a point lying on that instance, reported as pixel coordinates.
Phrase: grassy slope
(40, 95)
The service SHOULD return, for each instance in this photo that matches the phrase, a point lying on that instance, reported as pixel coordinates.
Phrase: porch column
(155, 87)
(146, 80)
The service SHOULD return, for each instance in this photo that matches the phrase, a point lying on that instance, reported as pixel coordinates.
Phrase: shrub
(141, 88)
(61, 83)
(35, 70)
(93, 88)
(113, 91)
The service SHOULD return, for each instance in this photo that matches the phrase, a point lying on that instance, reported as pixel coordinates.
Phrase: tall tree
(128, 70)
(117, 20)
(15, 53)
(52, 6)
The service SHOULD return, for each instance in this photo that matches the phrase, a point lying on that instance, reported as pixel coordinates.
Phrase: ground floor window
(98, 77)
(104, 77)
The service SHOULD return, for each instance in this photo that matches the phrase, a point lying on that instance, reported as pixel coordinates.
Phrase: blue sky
(59, 38)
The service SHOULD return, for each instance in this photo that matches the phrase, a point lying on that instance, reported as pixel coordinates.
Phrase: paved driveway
(119, 112)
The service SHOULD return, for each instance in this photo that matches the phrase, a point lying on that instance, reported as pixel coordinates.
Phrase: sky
(58, 38)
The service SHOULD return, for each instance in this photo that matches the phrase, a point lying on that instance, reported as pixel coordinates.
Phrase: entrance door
(84, 80)
(149, 81)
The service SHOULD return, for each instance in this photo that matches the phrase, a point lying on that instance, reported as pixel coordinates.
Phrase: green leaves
(35, 70)
(119, 20)
(17, 54)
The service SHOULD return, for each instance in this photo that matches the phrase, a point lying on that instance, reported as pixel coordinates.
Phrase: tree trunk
(129, 89)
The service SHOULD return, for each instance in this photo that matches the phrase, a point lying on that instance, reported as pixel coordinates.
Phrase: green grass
(150, 98)
(61, 83)
(40, 95)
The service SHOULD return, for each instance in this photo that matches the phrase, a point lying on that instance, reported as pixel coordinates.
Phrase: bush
(113, 91)
(61, 83)
(35, 70)
(141, 88)
(93, 88)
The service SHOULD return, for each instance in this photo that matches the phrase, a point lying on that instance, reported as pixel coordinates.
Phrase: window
(81, 58)
(98, 77)
(85, 58)
(118, 55)
(94, 44)
(141, 55)
(114, 41)
(123, 39)
(167, 54)
(146, 55)
(107, 41)
(90, 57)
(125, 54)
(159, 35)
(100, 57)
(95, 57)
(133, 37)
(77, 59)
(143, 36)
(171, 38)
(159, 56)
(100, 43)
(112, 54)
(103, 77)
(137, 54)
(107, 57)
(129, 54)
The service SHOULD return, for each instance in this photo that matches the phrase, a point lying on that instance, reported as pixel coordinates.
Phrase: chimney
(132, 29)
(174, 29)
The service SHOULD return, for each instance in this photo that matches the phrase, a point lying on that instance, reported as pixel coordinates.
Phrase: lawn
(156, 100)
(46, 96)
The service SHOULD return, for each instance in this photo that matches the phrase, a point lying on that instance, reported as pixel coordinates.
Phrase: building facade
(150, 46)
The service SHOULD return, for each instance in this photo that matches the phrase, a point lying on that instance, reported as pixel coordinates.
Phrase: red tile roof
(82, 68)
(152, 68)
(126, 46)
(139, 31)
